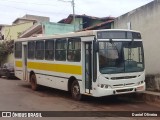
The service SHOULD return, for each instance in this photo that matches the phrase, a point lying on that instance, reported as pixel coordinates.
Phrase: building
(1, 34)
(12, 32)
(37, 18)
(146, 19)
(82, 22)
(47, 28)
(85, 22)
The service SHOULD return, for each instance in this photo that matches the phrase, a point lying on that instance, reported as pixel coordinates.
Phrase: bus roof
(71, 34)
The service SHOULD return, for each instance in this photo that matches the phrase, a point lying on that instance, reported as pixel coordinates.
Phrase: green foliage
(6, 48)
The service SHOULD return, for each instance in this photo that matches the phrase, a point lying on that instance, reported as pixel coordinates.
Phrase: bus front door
(88, 67)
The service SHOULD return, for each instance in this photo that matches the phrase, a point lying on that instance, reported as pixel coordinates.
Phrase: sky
(60, 9)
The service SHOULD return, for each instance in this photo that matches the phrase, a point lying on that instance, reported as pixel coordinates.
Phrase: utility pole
(74, 18)
(73, 7)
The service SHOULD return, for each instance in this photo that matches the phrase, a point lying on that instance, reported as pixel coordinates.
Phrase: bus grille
(123, 85)
(118, 85)
(124, 90)
(125, 77)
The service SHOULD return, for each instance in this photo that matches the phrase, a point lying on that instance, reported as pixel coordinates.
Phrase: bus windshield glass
(121, 57)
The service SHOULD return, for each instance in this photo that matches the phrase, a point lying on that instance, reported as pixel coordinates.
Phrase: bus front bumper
(99, 92)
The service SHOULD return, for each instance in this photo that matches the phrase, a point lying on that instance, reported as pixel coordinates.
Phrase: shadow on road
(13, 78)
(107, 100)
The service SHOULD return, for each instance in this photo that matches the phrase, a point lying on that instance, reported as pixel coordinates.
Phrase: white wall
(145, 19)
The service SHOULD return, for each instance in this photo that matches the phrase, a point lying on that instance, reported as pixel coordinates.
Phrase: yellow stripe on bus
(72, 69)
(18, 63)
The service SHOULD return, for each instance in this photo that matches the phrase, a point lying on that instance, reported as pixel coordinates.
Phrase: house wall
(57, 28)
(94, 22)
(79, 24)
(145, 19)
(12, 32)
(21, 21)
(38, 18)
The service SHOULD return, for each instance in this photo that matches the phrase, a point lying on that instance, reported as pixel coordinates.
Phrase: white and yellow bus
(96, 63)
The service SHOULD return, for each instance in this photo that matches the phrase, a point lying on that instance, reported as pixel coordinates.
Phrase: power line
(30, 9)
(25, 10)
(29, 3)
(34, 10)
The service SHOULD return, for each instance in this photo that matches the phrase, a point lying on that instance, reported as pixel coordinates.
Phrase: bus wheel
(75, 91)
(33, 82)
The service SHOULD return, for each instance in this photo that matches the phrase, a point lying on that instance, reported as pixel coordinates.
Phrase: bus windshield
(121, 57)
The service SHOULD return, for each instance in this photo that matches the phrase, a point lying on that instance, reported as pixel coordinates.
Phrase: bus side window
(18, 50)
(39, 50)
(60, 51)
(49, 49)
(70, 56)
(31, 50)
(74, 50)
(77, 55)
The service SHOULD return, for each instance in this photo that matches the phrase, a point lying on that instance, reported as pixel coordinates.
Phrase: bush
(6, 48)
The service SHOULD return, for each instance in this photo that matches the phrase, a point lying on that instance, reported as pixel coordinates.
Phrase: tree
(6, 48)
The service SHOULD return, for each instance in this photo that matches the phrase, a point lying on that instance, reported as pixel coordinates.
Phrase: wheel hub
(75, 90)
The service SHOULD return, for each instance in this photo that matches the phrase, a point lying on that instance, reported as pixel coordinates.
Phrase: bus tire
(75, 91)
(33, 81)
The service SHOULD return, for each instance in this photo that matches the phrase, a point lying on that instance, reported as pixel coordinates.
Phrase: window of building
(60, 51)
(49, 50)
(74, 49)
(18, 50)
(31, 50)
(39, 50)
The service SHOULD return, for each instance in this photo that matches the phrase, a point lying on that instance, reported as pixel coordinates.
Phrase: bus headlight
(103, 86)
(141, 82)
(106, 86)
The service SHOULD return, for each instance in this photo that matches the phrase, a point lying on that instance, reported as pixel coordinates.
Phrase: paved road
(16, 95)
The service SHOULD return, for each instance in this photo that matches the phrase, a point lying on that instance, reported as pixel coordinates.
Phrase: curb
(149, 97)
(153, 97)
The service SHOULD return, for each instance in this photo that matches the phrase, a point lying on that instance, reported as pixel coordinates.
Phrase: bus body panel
(119, 86)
